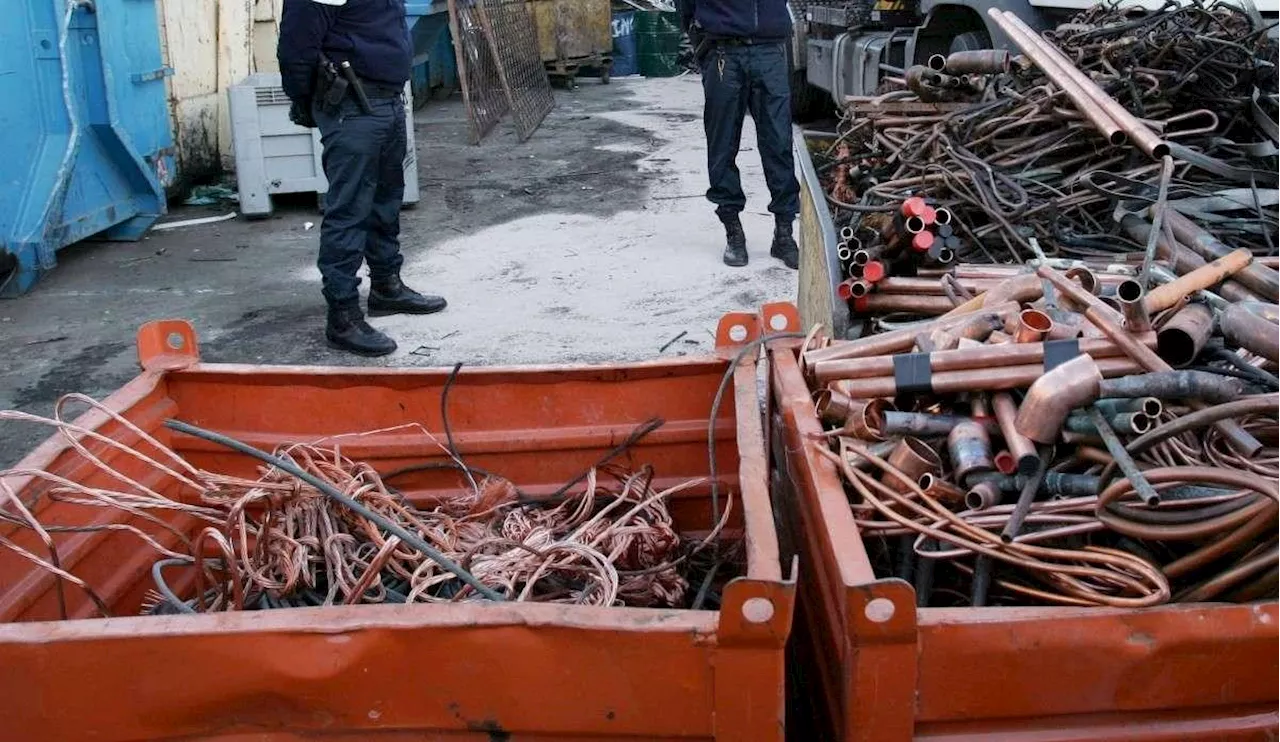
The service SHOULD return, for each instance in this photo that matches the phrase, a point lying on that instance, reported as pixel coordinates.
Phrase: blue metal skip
(87, 143)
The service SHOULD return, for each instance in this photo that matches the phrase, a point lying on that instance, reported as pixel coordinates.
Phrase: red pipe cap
(922, 242)
(1006, 463)
(914, 206)
(930, 216)
(874, 271)
(845, 289)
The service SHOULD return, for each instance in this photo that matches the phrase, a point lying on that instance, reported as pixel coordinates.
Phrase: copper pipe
(914, 458)
(1132, 306)
(1022, 289)
(1163, 297)
(1190, 385)
(1026, 458)
(1224, 581)
(1128, 423)
(1181, 258)
(1252, 326)
(1183, 337)
(999, 338)
(984, 379)
(941, 490)
(958, 360)
(897, 341)
(943, 216)
(937, 62)
(1033, 326)
(977, 62)
(865, 420)
(924, 425)
(983, 495)
(889, 303)
(1066, 75)
(859, 290)
(1087, 279)
(833, 406)
(1149, 406)
(1261, 280)
(1103, 318)
(1054, 395)
(931, 286)
(970, 450)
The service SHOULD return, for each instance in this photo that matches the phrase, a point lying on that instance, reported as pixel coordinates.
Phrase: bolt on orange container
(482, 671)
(876, 668)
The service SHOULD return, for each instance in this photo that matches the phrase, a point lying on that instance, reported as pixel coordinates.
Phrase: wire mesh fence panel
(478, 69)
(510, 30)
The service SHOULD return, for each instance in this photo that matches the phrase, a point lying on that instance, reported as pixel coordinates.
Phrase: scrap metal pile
(317, 528)
(1066, 391)
(1173, 157)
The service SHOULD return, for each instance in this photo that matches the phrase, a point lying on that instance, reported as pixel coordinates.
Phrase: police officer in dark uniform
(344, 64)
(741, 46)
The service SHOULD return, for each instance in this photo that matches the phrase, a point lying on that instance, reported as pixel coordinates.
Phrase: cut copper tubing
(859, 289)
(937, 62)
(1133, 307)
(977, 62)
(878, 303)
(897, 341)
(1149, 406)
(1033, 326)
(843, 253)
(923, 424)
(914, 224)
(970, 449)
(984, 379)
(833, 406)
(957, 360)
(844, 289)
(1211, 274)
(1252, 326)
(1055, 71)
(1190, 385)
(1092, 101)
(865, 420)
(847, 234)
(1025, 457)
(1261, 280)
(1054, 395)
(983, 495)
(1180, 341)
(914, 458)
(940, 489)
(1129, 423)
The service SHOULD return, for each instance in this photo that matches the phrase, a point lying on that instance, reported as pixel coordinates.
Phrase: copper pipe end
(833, 406)
(861, 257)
(866, 419)
(1182, 339)
(914, 206)
(844, 289)
(1054, 395)
(859, 289)
(941, 490)
(937, 62)
(1133, 307)
(1033, 326)
(1085, 277)
(843, 253)
(874, 271)
(914, 224)
(970, 450)
(983, 495)
(1151, 407)
(914, 458)
(847, 233)
(943, 216)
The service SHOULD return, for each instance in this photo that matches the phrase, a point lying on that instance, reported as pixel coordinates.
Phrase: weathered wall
(212, 45)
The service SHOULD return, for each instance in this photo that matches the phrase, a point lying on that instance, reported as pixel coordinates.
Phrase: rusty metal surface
(464, 671)
(572, 29)
(886, 670)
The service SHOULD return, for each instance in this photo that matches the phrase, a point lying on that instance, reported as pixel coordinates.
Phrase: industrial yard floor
(590, 242)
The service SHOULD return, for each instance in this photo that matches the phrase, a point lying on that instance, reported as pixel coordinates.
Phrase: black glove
(300, 113)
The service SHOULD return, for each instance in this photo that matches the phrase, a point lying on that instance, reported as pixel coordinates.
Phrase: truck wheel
(970, 41)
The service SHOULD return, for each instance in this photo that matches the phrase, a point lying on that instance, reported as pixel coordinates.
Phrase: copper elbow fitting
(1054, 395)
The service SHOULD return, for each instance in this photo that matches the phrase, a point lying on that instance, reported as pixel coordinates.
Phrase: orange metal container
(466, 671)
(877, 668)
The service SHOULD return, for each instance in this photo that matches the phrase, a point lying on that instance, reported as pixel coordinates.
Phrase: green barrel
(658, 39)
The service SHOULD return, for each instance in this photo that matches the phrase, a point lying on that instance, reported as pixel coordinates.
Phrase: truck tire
(970, 41)
(807, 101)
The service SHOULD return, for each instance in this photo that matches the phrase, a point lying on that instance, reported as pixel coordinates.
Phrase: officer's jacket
(758, 20)
(370, 34)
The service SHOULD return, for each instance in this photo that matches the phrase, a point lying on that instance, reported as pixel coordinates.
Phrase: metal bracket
(157, 74)
(168, 345)
(736, 330)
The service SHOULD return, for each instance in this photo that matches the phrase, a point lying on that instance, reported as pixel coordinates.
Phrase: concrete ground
(590, 242)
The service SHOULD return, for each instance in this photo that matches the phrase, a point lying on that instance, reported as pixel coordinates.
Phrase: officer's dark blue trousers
(736, 80)
(364, 163)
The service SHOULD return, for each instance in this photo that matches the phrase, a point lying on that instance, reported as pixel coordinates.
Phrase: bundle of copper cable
(1046, 162)
(277, 541)
(1062, 439)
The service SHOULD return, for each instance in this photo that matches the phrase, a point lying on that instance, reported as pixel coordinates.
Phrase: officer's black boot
(735, 250)
(391, 296)
(347, 330)
(784, 245)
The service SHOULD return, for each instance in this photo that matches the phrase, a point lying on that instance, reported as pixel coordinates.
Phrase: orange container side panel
(463, 671)
(883, 670)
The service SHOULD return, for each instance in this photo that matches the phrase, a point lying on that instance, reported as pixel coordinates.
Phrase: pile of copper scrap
(228, 543)
(1123, 136)
(1064, 438)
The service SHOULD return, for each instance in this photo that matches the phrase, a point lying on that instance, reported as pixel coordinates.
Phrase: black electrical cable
(157, 576)
(413, 540)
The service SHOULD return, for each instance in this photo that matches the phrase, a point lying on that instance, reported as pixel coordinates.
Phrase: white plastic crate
(275, 155)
